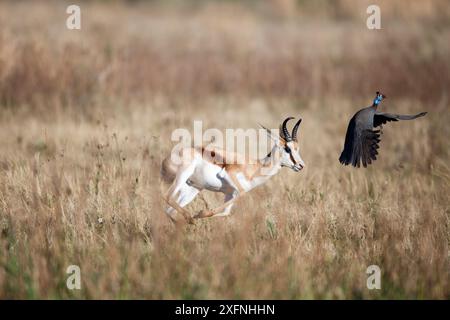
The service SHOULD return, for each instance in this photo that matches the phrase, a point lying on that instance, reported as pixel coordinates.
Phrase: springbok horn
(284, 131)
(294, 131)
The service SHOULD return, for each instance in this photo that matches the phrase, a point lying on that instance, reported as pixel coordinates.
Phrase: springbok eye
(288, 150)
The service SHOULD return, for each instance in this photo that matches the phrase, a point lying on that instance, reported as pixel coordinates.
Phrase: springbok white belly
(211, 177)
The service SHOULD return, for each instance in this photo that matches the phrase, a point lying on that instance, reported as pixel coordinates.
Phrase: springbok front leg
(223, 210)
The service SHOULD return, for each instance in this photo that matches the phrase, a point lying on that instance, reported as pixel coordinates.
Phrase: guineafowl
(361, 140)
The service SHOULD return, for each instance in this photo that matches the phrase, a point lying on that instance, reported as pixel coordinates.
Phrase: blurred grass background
(86, 117)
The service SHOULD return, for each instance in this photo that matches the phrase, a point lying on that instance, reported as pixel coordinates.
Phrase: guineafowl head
(378, 98)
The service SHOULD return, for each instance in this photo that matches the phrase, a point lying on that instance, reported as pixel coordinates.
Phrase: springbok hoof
(190, 220)
(203, 214)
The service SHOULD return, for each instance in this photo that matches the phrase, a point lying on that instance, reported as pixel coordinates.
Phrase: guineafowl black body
(361, 140)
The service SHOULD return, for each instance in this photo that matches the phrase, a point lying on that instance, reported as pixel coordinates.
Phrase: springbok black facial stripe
(292, 158)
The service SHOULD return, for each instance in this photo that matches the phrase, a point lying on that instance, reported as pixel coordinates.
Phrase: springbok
(217, 170)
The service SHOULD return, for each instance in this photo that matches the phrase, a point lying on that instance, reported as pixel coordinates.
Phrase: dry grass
(85, 119)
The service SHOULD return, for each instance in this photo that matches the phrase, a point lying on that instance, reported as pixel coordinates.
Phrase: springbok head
(288, 144)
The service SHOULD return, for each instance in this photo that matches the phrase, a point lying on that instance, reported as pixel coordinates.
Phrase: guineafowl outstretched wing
(381, 117)
(361, 143)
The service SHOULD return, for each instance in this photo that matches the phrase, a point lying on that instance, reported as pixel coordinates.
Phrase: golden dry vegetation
(86, 118)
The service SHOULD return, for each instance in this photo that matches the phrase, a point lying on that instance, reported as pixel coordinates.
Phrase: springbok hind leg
(201, 197)
(221, 211)
(178, 191)
(185, 196)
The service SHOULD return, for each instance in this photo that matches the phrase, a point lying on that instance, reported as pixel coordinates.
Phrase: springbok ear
(274, 137)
